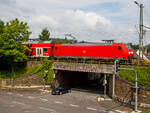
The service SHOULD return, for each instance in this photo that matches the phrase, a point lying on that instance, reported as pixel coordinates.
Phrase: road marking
(20, 95)
(108, 99)
(44, 100)
(30, 111)
(73, 105)
(91, 108)
(105, 111)
(9, 93)
(121, 111)
(58, 102)
(47, 109)
(46, 91)
(30, 97)
(12, 106)
(16, 102)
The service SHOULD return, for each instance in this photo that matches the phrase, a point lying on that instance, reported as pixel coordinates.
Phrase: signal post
(117, 68)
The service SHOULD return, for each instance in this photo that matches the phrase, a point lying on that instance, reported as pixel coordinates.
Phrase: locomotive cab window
(56, 48)
(45, 50)
(119, 47)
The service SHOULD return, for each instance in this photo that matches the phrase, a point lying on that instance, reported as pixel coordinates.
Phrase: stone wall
(125, 92)
(3, 82)
(29, 80)
(33, 63)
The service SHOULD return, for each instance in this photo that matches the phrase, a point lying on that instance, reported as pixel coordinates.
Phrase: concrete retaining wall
(33, 63)
(125, 92)
(29, 80)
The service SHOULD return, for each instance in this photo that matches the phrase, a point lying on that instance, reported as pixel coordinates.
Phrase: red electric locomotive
(94, 51)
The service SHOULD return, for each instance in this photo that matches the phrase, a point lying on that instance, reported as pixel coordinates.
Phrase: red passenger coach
(39, 48)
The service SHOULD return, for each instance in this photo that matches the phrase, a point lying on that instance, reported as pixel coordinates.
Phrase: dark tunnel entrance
(82, 80)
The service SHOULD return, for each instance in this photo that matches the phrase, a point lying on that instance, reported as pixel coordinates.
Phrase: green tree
(148, 49)
(12, 35)
(82, 41)
(45, 35)
(135, 47)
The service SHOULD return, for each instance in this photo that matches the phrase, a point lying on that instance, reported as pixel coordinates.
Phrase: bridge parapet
(83, 67)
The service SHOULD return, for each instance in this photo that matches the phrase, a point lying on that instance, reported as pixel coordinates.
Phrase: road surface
(43, 102)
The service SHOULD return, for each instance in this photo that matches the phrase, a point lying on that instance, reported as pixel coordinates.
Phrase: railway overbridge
(66, 72)
(84, 67)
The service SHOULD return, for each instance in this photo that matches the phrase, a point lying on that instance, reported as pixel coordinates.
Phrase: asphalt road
(44, 102)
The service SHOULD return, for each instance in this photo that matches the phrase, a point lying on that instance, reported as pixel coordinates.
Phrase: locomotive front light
(130, 52)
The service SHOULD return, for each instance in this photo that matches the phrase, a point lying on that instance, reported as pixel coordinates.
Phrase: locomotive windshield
(128, 46)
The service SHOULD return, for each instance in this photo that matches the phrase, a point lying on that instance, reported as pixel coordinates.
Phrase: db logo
(84, 51)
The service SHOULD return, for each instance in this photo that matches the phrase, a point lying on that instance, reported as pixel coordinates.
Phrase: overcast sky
(89, 20)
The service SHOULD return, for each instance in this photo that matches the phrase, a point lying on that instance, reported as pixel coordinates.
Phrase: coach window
(45, 50)
(119, 47)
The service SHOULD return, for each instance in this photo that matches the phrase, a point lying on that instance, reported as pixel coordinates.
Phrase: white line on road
(58, 102)
(16, 102)
(20, 95)
(105, 111)
(30, 97)
(91, 108)
(9, 93)
(47, 109)
(121, 111)
(108, 99)
(12, 106)
(30, 111)
(73, 105)
(44, 100)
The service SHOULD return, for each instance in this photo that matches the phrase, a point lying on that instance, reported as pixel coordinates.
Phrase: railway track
(92, 61)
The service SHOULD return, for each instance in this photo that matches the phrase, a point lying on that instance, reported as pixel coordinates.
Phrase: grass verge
(143, 74)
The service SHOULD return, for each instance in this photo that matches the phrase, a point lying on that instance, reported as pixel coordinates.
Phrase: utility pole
(141, 27)
(141, 31)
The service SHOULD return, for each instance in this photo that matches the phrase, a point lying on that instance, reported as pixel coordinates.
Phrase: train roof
(36, 42)
(88, 44)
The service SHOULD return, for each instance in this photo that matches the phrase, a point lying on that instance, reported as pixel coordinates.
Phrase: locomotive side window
(45, 49)
(119, 47)
(56, 48)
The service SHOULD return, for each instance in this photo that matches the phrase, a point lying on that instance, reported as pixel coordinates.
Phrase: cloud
(91, 20)
(76, 22)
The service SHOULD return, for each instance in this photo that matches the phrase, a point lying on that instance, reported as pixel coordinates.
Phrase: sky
(88, 20)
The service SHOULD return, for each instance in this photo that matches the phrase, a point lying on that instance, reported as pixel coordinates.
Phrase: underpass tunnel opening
(83, 80)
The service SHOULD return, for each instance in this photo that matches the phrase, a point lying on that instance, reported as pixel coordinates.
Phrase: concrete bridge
(83, 67)
(66, 70)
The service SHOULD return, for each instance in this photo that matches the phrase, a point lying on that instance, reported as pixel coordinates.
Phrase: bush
(46, 66)
(23, 71)
(18, 72)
